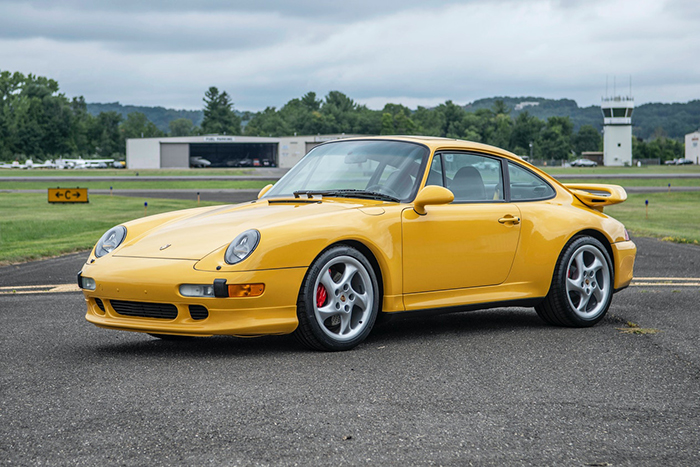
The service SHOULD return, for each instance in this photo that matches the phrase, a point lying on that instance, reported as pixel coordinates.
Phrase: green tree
(137, 125)
(587, 139)
(106, 136)
(82, 121)
(555, 138)
(181, 127)
(219, 117)
(396, 120)
(267, 123)
(665, 149)
(526, 130)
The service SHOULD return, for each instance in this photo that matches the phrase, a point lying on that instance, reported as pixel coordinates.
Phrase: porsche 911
(365, 228)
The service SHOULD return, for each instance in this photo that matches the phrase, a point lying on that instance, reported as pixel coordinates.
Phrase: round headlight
(110, 240)
(242, 246)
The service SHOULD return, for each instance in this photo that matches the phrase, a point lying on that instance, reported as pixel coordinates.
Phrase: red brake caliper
(321, 295)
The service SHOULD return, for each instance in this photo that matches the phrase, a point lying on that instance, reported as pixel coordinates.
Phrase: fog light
(196, 290)
(245, 290)
(88, 283)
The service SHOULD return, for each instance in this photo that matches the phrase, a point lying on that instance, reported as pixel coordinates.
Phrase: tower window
(619, 112)
(607, 113)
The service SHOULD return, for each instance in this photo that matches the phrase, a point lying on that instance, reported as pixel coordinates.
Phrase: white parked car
(584, 163)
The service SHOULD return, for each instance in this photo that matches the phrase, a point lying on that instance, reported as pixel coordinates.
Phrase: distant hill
(648, 120)
(160, 116)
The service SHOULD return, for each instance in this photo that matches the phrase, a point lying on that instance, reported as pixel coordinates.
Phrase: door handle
(509, 218)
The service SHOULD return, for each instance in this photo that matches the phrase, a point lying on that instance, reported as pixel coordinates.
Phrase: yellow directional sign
(68, 195)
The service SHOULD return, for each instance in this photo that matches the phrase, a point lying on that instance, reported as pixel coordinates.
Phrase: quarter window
(526, 186)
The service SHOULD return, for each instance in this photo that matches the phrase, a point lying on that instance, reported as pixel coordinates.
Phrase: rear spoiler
(596, 195)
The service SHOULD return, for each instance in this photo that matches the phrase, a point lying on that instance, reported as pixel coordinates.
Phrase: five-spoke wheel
(339, 300)
(582, 285)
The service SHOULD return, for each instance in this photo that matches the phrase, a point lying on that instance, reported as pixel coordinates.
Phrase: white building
(617, 130)
(220, 151)
(692, 147)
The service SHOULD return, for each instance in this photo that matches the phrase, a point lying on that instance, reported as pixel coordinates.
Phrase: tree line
(39, 122)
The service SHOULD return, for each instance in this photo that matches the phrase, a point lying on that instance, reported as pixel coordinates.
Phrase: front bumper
(624, 254)
(152, 283)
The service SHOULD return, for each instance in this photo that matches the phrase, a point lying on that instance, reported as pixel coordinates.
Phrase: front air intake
(144, 309)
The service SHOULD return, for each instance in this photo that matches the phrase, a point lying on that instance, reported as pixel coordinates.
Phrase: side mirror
(431, 195)
(264, 190)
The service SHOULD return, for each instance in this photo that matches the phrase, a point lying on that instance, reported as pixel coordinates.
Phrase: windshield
(389, 170)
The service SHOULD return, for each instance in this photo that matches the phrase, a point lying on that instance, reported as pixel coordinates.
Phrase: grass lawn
(647, 169)
(31, 228)
(631, 182)
(121, 172)
(134, 185)
(672, 216)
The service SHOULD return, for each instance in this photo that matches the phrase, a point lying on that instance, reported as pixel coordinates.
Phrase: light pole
(531, 152)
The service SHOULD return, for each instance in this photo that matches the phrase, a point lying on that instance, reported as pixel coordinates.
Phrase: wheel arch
(602, 238)
(368, 253)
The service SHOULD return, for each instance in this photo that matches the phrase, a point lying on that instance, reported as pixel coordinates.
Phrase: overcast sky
(264, 53)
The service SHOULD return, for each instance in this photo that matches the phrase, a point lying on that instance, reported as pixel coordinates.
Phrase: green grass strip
(135, 185)
(31, 228)
(671, 216)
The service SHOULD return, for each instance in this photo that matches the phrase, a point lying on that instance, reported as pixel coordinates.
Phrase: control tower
(617, 130)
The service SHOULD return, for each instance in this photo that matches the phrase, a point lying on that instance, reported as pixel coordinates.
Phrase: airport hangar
(221, 151)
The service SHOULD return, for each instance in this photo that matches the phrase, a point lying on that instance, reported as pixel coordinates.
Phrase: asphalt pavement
(494, 387)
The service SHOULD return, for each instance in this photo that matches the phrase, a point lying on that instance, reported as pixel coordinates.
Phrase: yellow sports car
(362, 227)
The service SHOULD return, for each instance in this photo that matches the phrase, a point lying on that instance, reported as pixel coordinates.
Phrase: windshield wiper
(349, 193)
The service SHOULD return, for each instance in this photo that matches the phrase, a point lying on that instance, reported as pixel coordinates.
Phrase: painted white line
(666, 279)
(665, 284)
(35, 289)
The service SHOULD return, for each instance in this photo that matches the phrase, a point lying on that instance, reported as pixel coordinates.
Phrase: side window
(435, 174)
(470, 177)
(526, 186)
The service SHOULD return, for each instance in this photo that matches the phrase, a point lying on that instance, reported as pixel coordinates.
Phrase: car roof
(436, 143)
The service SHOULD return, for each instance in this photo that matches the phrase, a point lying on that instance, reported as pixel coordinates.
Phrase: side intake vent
(198, 312)
(100, 305)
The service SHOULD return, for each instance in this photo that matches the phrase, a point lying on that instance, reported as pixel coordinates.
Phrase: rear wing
(597, 195)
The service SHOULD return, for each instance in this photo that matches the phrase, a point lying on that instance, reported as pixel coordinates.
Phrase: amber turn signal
(245, 290)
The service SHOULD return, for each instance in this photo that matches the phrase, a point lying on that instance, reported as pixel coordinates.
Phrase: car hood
(194, 236)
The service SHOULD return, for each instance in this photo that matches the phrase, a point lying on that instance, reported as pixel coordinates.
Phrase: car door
(470, 242)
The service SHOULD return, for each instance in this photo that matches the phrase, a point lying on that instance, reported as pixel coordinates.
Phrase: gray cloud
(263, 54)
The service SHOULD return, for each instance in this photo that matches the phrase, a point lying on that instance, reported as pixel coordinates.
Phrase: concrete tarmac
(494, 387)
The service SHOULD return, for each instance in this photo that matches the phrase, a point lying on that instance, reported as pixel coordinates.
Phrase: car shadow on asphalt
(405, 329)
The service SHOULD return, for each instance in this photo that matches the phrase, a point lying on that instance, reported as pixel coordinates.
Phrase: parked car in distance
(683, 161)
(199, 162)
(584, 163)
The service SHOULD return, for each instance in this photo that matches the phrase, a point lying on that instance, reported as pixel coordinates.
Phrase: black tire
(582, 285)
(342, 314)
